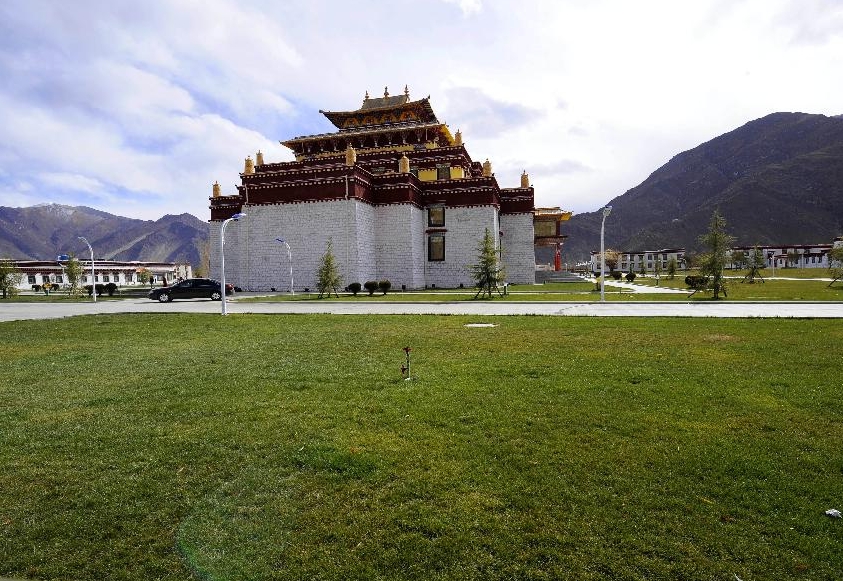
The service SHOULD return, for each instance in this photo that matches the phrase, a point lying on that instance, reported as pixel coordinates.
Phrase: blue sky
(136, 108)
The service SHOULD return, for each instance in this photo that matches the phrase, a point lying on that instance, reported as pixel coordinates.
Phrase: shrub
(616, 274)
(384, 286)
(110, 289)
(696, 282)
(371, 286)
(630, 276)
(100, 289)
(355, 288)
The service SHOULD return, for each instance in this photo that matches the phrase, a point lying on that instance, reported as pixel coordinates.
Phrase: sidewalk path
(726, 309)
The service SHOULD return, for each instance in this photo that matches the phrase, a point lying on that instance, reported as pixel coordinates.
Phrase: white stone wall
(465, 228)
(384, 242)
(399, 244)
(518, 242)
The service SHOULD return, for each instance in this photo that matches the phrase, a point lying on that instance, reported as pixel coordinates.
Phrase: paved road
(20, 311)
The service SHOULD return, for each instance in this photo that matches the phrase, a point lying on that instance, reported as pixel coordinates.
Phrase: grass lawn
(771, 290)
(145, 447)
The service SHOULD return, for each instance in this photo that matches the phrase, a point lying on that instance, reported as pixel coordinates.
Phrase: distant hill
(776, 180)
(43, 232)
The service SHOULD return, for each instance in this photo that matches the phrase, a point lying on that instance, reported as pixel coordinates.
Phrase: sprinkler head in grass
(405, 369)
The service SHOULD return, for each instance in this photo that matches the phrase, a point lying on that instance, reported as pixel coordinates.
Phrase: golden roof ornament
(259, 157)
(217, 191)
(487, 168)
(525, 179)
(350, 156)
(404, 164)
(366, 96)
(458, 137)
(385, 93)
(407, 92)
(249, 167)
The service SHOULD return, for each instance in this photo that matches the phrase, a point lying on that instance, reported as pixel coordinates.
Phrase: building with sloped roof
(396, 193)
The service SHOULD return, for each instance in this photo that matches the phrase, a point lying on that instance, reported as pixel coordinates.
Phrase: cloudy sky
(136, 108)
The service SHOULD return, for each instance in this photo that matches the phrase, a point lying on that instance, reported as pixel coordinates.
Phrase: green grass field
(145, 447)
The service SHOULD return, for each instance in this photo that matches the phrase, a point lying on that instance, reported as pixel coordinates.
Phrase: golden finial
(386, 93)
(404, 164)
(366, 96)
(217, 190)
(350, 155)
(406, 91)
(525, 179)
(249, 167)
(487, 168)
(458, 137)
(259, 157)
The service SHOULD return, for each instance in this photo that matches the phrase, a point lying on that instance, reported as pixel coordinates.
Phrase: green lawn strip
(288, 447)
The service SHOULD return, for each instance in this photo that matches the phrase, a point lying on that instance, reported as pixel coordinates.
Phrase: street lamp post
(290, 258)
(93, 273)
(225, 222)
(606, 211)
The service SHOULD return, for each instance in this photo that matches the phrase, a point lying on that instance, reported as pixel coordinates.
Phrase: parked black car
(192, 288)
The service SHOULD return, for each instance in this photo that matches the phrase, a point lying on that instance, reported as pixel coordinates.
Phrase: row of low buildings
(782, 256)
(36, 273)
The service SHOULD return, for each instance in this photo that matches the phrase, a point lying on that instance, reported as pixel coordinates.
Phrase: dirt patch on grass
(717, 338)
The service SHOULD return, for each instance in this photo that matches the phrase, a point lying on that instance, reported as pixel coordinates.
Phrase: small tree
(203, 269)
(754, 264)
(488, 272)
(328, 277)
(612, 259)
(143, 276)
(737, 258)
(835, 264)
(9, 277)
(73, 270)
(713, 262)
(657, 269)
(671, 268)
(793, 257)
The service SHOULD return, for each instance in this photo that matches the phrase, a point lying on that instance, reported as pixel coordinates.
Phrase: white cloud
(141, 108)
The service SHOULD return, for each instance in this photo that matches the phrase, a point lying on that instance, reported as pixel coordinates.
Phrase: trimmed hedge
(384, 286)
(354, 288)
(371, 286)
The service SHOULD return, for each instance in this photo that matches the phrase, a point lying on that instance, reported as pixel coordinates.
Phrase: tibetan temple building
(396, 193)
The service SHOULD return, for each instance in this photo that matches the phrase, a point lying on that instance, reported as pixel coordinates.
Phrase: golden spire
(406, 92)
(385, 93)
(458, 137)
(350, 155)
(259, 158)
(217, 192)
(249, 167)
(404, 164)
(487, 168)
(366, 96)
(525, 179)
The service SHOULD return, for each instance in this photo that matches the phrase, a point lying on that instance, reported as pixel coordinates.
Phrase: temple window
(443, 172)
(31, 279)
(436, 248)
(436, 216)
(59, 279)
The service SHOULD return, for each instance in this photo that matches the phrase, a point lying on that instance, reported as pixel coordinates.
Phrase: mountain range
(776, 180)
(43, 232)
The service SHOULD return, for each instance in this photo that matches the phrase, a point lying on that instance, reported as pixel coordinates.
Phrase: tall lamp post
(606, 211)
(290, 258)
(93, 273)
(225, 222)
